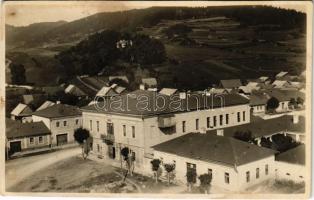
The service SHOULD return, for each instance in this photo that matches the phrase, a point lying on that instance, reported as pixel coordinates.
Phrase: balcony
(166, 121)
(107, 138)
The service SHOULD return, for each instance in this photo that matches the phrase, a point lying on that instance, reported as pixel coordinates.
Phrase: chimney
(220, 132)
(295, 119)
(182, 95)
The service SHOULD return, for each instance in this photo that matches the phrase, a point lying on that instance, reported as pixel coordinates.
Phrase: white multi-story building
(142, 119)
(62, 120)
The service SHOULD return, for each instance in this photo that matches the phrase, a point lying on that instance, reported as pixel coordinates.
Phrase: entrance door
(15, 147)
(111, 152)
(62, 139)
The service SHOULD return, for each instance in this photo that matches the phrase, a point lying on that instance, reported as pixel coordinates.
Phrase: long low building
(233, 164)
(138, 120)
(26, 136)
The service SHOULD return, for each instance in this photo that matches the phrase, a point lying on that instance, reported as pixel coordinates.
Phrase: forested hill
(132, 19)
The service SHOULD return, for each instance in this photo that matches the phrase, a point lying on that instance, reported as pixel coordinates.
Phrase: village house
(233, 164)
(22, 112)
(142, 123)
(290, 165)
(258, 102)
(62, 120)
(231, 83)
(148, 84)
(26, 136)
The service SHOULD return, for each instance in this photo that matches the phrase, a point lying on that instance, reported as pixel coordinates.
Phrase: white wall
(25, 142)
(259, 109)
(237, 175)
(288, 171)
(283, 106)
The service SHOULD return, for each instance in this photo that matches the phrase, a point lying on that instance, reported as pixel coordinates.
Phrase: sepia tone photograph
(157, 98)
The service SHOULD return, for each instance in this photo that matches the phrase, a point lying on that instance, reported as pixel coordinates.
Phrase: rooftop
(293, 156)
(15, 129)
(231, 83)
(211, 148)
(168, 91)
(21, 110)
(58, 110)
(144, 103)
(150, 82)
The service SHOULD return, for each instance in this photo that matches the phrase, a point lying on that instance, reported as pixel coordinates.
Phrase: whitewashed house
(138, 121)
(290, 165)
(62, 120)
(258, 102)
(233, 164)
(22, 112)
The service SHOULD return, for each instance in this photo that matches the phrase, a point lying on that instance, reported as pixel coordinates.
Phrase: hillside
(220, 43)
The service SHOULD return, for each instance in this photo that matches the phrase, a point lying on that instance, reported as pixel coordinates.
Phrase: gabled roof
(280, 83)
(217, 149)
(119, 77)
(72, 89)
(285, 95)
(293, 156)
(281, 74)
(231, 83)
(143, 103)
(46, 104)
(258, 99)
(15, 129)
(58, 110)
(168, 91)
(106, 91)
(263, 78)
(120, 89)
(34, 99)
(150, 82)
(22, 110)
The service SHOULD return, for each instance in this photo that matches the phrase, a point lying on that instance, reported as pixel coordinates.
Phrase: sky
(24, 13)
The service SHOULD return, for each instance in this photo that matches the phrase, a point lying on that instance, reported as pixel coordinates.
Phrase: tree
(155, 167)
(169, 169)
(266, 142)
(272, 104)
(205, 180)
(283, 143)
(191, 178)
(293, 102)
(81, 136)
(125, 152)
(245, 136)
(300, 101)
(17, 73)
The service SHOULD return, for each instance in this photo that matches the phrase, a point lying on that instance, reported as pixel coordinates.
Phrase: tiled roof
(106, 91)
(285, 95)
(72, 89)
(21, 110)
(46, 104)
(293, 156)
(168, 91)
(281, 74)
(143, 103)
(119, 77)
(58, 110)
(258, 99)
(260, 128)
(231, 83)
(150, 82)
(211, 148)
(16, 129)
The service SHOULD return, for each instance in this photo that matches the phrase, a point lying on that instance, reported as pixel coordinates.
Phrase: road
(18, 169)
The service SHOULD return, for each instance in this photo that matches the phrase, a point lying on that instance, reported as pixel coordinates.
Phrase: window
(243, 113)
(210, 173)
(97, 124)
(40, 139)
(282, 105)
(287, 174)
(64, 123)
(208, 122)
(76, 121)
(266, 169)
(257, 172)
(110, 128)
(57, 124)
(191, 167)
(133, 155)
(247, 176)
(31, 140)
(133, 131)
(215, 121)
(220, 120)
(183, 126)
(90, 125)
(196, 124)
(124, 130)
(227, 180)
(227, 119)
(98, 148)
(238, 115)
